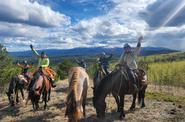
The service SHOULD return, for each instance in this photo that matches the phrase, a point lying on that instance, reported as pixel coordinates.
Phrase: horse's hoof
(122, 117)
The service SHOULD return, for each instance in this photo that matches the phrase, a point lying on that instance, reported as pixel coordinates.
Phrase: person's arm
(46, 63)
(34, 51)
(109, 57)
(30, 66)
(138, 48)
(19, 65)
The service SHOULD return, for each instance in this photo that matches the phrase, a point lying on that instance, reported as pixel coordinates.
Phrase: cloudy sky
(64, 24)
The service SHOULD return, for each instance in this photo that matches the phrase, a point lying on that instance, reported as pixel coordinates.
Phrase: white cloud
(119, 25)
(21, 30)
(31, 13)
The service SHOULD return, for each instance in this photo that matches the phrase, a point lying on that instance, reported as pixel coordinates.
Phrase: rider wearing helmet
(104, 61)
(129, 58)
(25, 67)
(81, 62)
(43, 65)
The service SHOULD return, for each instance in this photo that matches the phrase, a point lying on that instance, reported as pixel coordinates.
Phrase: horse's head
(100, 107)
(142, 76)
(10, 98)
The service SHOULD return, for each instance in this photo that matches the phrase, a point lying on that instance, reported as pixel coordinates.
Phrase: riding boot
(53, 84)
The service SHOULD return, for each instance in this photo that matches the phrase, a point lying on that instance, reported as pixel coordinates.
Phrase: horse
(17, 82)
(40, 85)
(77, 94)
(99, 75)
(118, 84)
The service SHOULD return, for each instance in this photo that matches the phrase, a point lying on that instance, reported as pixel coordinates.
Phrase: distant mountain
(93, 51)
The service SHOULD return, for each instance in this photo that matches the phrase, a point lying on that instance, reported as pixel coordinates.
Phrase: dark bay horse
(77, 93)
(17, 83)
(40, 85)
(99, 75)
(116, 82)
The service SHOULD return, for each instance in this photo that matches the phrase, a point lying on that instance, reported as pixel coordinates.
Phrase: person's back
(104, 61)
(25, 67)
(81, 63)
(128, 58)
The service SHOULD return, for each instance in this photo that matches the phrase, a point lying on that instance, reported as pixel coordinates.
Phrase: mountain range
(145, 51)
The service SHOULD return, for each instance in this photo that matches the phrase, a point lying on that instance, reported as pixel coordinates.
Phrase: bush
(63, 68)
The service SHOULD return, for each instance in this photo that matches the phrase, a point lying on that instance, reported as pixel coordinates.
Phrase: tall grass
(168, 73)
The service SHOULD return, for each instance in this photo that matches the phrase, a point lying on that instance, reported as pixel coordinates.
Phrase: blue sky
(64, 24)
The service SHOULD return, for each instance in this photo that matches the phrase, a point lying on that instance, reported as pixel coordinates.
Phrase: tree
(63, 68)
(7, 70)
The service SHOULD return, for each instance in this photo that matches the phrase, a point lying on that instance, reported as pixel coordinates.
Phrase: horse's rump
(77, 79)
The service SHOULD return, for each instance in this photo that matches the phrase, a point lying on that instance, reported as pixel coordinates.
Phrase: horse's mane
(106, 80)
(71, 98)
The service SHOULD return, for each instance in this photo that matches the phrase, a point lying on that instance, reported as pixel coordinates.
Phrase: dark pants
(105, 68)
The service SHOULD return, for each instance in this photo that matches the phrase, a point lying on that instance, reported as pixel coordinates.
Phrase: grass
(165, 97)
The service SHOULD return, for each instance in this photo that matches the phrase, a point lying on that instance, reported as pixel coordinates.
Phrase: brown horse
(117, 82)
(76, 99)
(40, 85)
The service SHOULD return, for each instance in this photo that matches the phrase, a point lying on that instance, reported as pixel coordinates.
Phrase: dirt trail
(155, 111)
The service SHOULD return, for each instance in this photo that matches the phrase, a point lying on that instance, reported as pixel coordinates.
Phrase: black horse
(40, 85)
(117, 83)
(99, 75)
(15, 85)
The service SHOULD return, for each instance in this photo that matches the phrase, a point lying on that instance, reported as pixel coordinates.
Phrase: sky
(65, 24)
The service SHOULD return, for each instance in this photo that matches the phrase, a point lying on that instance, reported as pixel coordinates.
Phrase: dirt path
(155, 111)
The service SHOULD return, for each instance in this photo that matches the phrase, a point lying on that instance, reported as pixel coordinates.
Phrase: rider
(25, 67)
(43, 65)
(104, 61)
(129, 58)
(81, 62)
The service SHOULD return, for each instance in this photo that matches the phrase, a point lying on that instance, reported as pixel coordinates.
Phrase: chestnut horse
(77, 93)
(40, 85)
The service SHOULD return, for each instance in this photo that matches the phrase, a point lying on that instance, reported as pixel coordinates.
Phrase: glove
(140, 38)
(31, 46)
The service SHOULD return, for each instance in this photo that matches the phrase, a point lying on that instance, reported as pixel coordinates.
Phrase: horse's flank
(78, 84)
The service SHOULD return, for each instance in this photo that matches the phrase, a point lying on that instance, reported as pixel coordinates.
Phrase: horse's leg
(36, 102)
(84, 103)
(16, 95)
(45, 99)
(143, 98)
(22, 93)
(122, 115)
(49, 94)
(133, 106)
(116, 97)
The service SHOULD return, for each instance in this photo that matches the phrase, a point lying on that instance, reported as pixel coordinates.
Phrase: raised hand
(31, 46)
(140, 38)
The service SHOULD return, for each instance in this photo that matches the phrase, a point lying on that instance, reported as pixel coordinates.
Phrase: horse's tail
(71, 104)
(71, 109)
